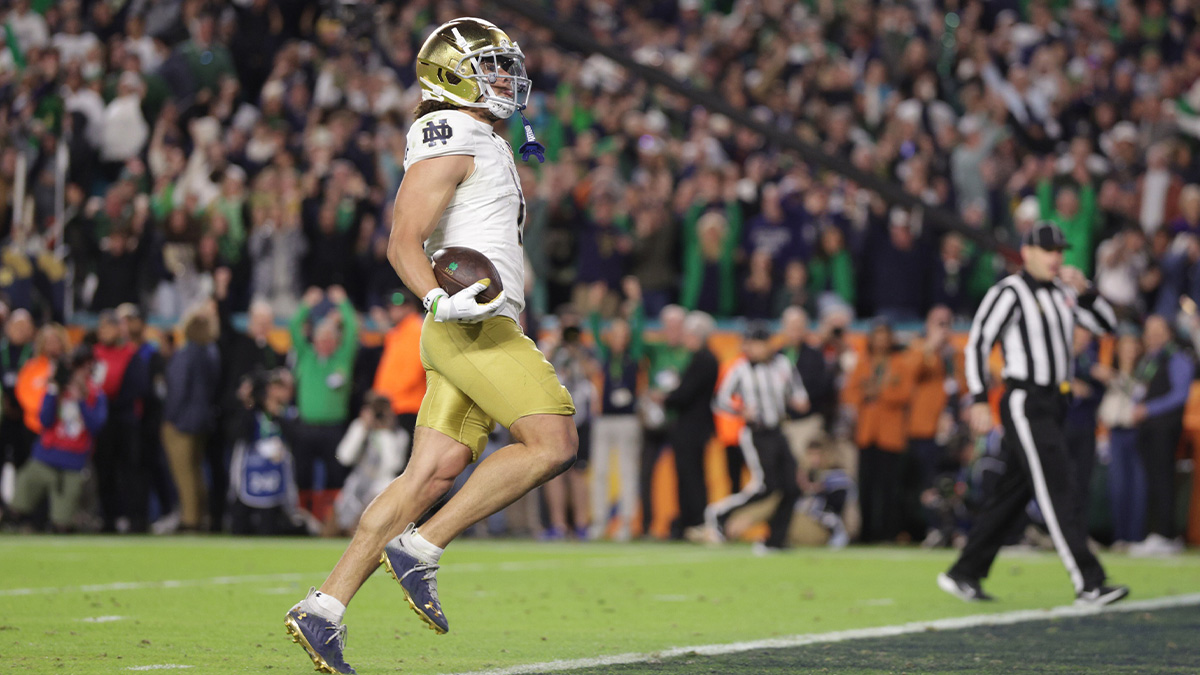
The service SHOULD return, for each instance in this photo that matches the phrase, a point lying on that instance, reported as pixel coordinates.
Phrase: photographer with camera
(374, 450)
(263, 494)
(73, 412)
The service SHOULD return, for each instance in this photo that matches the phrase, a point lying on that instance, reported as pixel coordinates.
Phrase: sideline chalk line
(954, 623)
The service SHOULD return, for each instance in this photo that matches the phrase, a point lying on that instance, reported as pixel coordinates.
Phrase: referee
(1033, 314)
(769, 386)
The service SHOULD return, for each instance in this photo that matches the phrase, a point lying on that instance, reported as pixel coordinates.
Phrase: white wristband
(432, 297)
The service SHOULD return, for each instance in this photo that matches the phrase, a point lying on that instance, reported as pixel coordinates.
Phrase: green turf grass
(218, 604)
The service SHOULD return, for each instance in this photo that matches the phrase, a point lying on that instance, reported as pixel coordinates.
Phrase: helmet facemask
(471, 63)
(499, 72)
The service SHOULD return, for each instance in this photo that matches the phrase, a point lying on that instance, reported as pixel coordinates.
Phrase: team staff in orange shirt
(400, 376)
(879, 390)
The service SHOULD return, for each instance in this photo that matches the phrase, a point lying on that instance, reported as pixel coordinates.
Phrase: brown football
(456, 267)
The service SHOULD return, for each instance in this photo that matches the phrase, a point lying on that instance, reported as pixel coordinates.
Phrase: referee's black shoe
(1100, 596)
(967, 590)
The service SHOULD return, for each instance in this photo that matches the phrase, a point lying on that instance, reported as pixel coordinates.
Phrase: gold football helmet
(471, 63)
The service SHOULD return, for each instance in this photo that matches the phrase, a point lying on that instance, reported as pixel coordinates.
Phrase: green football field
(108, 605)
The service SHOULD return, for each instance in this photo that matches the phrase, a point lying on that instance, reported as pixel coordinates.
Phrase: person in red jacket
(73, 412)
(125, 381)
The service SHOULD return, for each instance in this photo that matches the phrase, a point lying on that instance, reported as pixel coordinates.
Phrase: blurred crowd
(209, 426)
(267, 138)
(205, 426)
(199, 159)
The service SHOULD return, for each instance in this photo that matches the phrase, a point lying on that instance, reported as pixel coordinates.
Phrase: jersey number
(520, 215)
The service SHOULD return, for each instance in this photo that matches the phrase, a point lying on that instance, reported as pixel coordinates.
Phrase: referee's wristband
(431, 299)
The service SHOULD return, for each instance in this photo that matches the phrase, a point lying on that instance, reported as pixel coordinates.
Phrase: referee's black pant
(1034, 449)
(689, 443)
(772, 469)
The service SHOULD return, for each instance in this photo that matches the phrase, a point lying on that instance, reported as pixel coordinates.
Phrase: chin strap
(531, 146)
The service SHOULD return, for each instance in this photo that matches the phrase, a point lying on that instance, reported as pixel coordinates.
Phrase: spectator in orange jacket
(938, 379)
(879, 390)
(49, 345)
(400, 376)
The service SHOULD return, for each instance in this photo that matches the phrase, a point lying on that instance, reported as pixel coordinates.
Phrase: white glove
(462, 306)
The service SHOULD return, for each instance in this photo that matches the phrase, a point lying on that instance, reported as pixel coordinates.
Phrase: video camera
(253, 389)
(66, 366)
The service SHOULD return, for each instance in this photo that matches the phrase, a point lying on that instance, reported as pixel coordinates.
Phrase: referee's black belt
(1060, 389)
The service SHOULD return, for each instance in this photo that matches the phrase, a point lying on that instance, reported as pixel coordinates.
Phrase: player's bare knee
(441, 482)
(375, 523)
(434, 490)
(450, 465)
(557, 445)
(441, 476)
(564, 466)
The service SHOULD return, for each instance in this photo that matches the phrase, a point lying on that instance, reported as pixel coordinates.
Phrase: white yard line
(523, 566)
(547, 564)
(877, 602)
(576, 563)
(957, 623)
(160, 666)
(143, 585)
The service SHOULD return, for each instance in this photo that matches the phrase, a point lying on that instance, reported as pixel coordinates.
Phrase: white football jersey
(487, 211)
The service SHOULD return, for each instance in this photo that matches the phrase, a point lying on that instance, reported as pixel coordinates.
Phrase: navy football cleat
(323, 639)
(418, 580)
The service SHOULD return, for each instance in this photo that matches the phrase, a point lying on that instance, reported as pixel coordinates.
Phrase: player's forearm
(411, 264)
(423, 195)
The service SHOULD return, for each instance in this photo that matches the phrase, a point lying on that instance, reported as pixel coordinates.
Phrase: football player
(460, 188)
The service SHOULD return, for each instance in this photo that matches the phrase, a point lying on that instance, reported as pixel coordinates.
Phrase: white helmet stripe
(460, 40)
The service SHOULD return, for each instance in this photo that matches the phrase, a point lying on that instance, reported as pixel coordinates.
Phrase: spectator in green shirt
(667, 358)
(712, 234)
(324, 368)
(1074, 211)
(831, 271)
(207, 60)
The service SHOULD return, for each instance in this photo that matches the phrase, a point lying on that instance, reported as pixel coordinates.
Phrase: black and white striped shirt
(767, 390)
(1034, 322)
